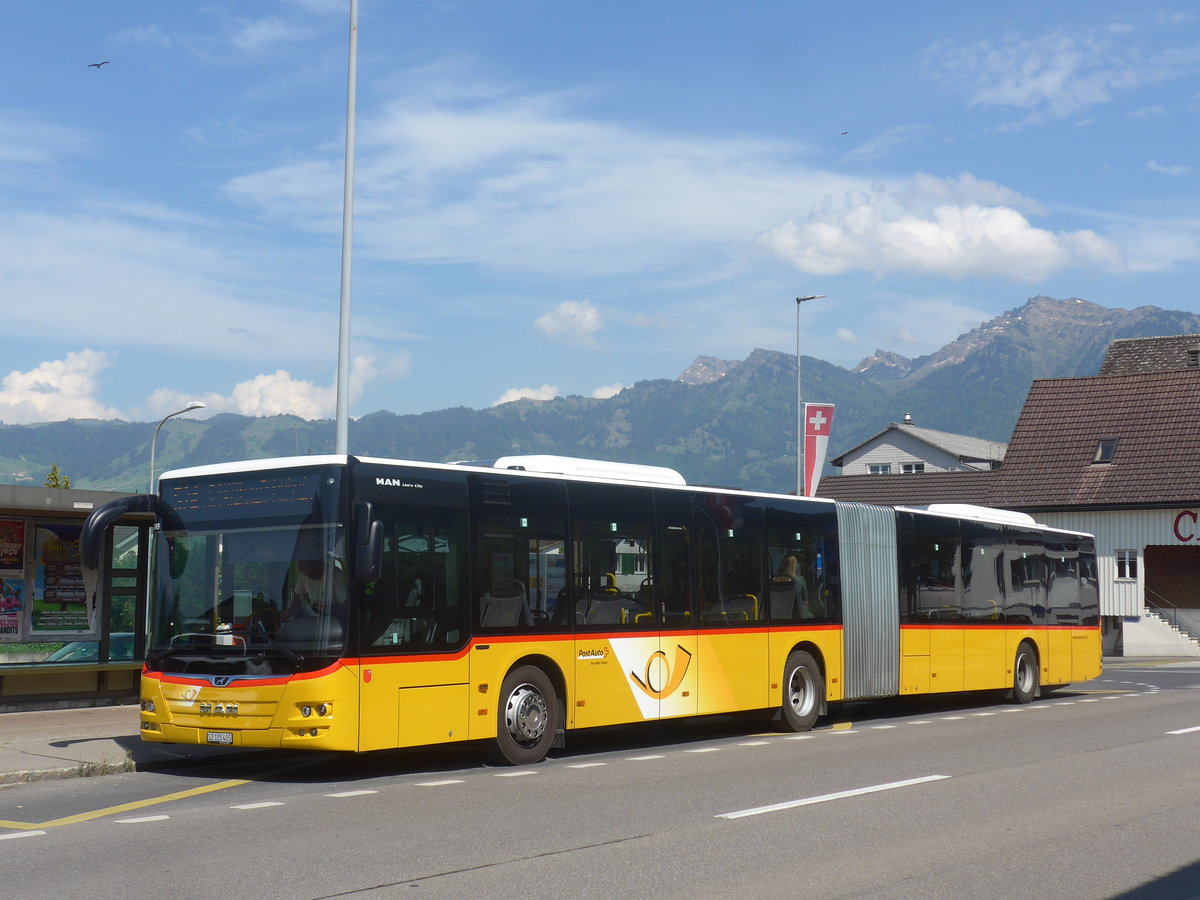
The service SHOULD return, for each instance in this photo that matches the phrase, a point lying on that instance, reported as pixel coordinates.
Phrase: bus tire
(803, 691)
(527, 718)
(1025, 674)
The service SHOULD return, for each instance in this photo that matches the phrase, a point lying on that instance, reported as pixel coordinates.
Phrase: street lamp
(194, 404)
(799, 401)
(341, 422)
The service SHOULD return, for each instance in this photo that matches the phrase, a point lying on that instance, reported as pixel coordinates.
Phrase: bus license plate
(220, 737)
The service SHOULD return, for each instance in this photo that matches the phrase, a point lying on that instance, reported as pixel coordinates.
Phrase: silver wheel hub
(800, 692)
(526, 714)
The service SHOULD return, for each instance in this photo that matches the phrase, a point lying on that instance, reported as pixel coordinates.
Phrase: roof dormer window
(1106, 449)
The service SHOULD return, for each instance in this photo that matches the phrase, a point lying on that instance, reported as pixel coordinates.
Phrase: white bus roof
(587, 468)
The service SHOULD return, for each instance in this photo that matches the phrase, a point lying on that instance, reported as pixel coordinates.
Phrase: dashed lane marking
(825, 798)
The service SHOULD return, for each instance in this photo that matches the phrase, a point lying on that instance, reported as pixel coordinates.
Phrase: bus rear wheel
(1025, 675)
(803, 691)
(527, 717)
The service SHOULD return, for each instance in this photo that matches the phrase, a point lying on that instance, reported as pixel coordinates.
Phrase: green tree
(57, 480)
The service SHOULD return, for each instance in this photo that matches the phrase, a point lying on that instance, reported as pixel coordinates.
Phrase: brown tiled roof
(918, 489)
(1128, 356)
(1154, 416)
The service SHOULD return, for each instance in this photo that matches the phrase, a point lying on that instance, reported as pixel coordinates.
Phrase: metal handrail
(1168, 611)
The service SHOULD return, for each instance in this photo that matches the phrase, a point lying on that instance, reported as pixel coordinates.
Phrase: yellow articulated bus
(343, 603)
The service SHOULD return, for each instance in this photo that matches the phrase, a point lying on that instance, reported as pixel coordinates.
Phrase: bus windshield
(250, 574)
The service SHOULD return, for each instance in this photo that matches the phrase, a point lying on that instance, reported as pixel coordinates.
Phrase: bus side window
(415, 605)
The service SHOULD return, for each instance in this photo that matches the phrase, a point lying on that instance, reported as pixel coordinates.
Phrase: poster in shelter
(12, 595)
(60, 602)
(12, 545)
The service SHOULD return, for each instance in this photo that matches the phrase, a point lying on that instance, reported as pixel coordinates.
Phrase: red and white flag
(818, 420)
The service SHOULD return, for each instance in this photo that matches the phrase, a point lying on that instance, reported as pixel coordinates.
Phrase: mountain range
(725, 422)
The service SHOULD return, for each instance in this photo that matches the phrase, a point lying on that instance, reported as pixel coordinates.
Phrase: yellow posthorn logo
(654, 684)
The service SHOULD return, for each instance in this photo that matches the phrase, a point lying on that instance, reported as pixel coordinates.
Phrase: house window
(880, 469)
(1127, 565)
(1106, 449)
(913, 468)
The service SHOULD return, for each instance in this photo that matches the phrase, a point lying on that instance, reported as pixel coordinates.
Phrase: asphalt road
(1091, 792)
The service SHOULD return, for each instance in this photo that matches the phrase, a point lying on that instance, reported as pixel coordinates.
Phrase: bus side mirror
(368, 543)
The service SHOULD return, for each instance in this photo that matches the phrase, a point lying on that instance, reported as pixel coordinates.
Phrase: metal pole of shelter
(342, 415)
(800, 401)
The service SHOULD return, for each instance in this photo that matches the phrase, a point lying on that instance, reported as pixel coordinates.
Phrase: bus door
(732, 654)
(1063, 611)
(621, 670)
(414, 666)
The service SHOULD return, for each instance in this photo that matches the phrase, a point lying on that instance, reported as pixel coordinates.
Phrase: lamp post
(342, 411)
(799, 400)
(194, 404)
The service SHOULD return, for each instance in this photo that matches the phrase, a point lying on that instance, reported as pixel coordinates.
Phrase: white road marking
(799, 737)
(514, 774)
(983, 714)
(262, 805)
(585, 765)
(362, 793)
(702, 750)
(1185, 730)
(883, 727)
(754, 743)
(140, 820)
(19, 834)
(825, 798)
(439, 783)
(641, 758)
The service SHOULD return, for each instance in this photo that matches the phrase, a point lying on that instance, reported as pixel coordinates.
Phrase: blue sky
(559, 198)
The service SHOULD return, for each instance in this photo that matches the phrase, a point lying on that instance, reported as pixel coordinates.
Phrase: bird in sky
(97, 65)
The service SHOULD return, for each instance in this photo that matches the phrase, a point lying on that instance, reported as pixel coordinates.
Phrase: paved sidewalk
(66, 743)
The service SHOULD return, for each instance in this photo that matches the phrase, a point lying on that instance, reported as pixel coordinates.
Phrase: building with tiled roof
(905, 448)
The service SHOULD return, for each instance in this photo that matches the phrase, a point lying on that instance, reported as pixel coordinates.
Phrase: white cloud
(28, 138)
(1155, 166)
(846, 336)
(913, 229)
(572, 320)
(1058, 73)
(610, 390)
(545, 392)
(1147, 112)
(270, 394)
(888, 142)
(55, 390)
(464, 171)
(264, 35)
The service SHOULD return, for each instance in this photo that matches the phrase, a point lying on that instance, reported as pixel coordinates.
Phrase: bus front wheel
(803, 691)
(1025, 675)
(527, 717)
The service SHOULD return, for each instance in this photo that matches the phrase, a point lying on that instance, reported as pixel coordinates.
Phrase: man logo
(663, 678)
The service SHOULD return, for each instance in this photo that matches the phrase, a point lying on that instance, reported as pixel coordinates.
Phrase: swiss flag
(818, 421)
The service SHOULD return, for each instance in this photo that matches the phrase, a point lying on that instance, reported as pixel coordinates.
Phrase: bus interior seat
(505, 606)
(606, 611)
(781, 598)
